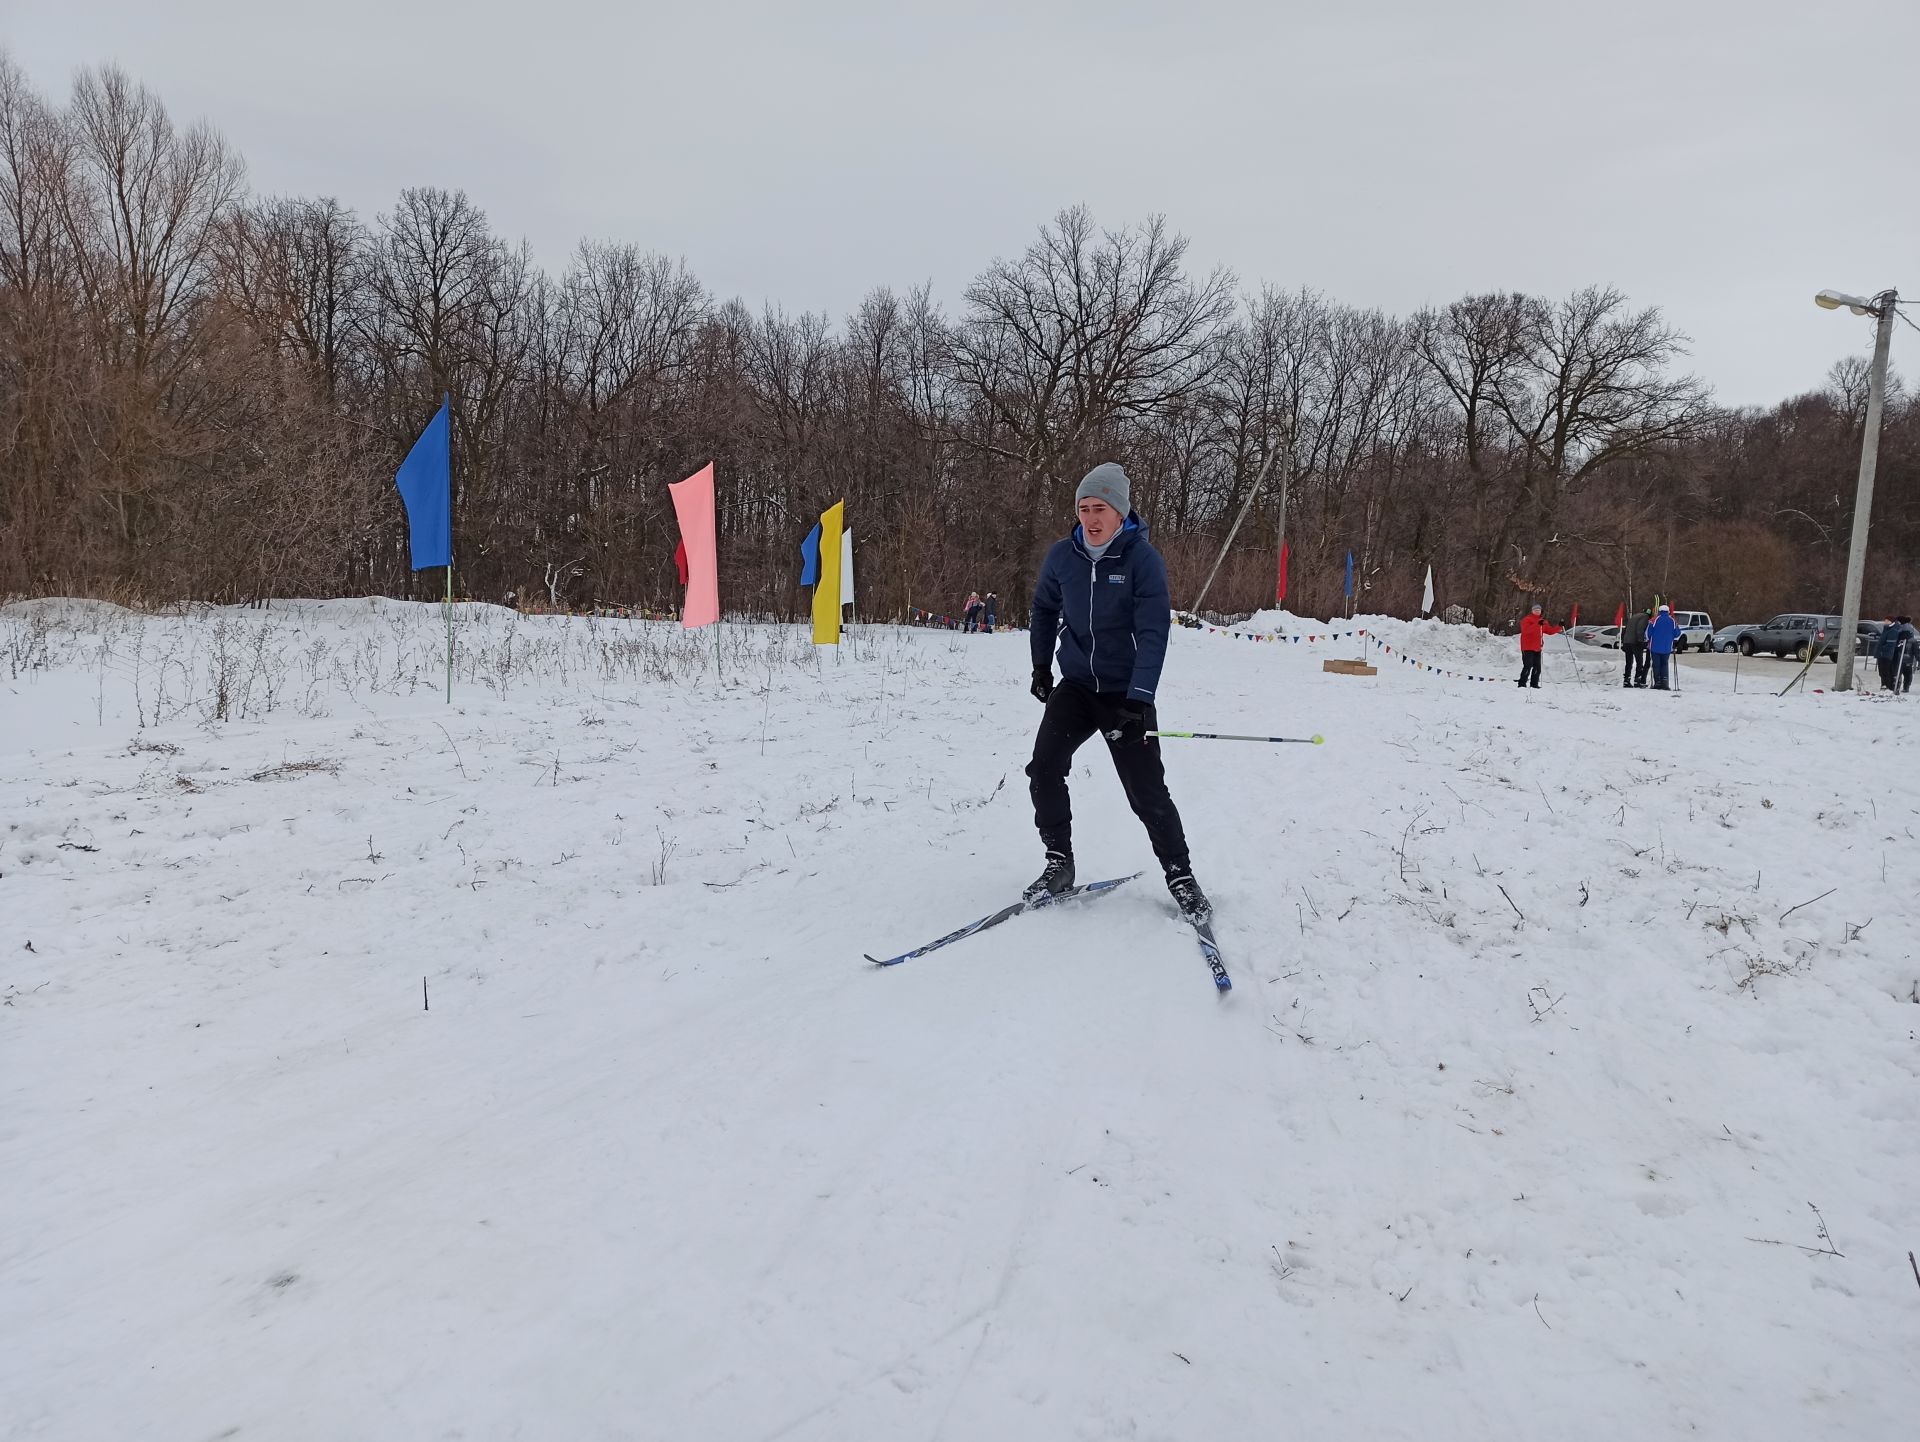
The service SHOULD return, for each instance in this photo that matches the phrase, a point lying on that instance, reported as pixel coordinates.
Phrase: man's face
(1099, 520)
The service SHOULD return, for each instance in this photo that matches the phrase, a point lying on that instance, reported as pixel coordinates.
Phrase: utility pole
(1234, 529)
(1883, 308)
(1280, 539)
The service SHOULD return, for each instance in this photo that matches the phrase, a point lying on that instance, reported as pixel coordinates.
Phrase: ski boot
(1057, 877)
(1187, 894)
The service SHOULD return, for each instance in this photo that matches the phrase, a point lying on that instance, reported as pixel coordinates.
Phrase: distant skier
(970, 613)
(1886, 654)
(1633, 645)
(1898, 644)
(1102, 596)
(1661, 635)
(1533, 631)
(992, 603)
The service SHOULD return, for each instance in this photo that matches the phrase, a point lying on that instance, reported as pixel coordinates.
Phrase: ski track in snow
(1525, 1049)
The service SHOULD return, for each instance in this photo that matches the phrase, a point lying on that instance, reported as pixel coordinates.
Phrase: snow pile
(1425, 638)
(1568, 1085)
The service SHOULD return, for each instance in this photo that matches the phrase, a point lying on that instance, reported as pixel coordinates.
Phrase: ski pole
(1222, 736)
(1572, 657)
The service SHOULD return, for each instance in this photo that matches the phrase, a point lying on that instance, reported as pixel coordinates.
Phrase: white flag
(1426, 601)
(846, 568)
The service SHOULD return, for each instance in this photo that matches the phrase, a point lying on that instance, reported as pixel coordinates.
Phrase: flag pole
(446, 400)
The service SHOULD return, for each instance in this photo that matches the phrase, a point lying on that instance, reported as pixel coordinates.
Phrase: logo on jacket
(1117, 579)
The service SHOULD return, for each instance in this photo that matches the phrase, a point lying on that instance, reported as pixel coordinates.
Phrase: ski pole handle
(1222, 736)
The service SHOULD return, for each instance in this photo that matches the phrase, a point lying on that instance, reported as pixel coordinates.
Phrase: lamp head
(1834, 299)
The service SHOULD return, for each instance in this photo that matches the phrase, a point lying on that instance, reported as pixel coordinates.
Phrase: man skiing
(1533, 629)
(1660, 638)
(1102, 596)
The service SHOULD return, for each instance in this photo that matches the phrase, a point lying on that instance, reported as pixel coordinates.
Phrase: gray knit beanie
(1107, 482)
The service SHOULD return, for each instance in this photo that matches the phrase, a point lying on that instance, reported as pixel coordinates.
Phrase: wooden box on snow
(1350, 668)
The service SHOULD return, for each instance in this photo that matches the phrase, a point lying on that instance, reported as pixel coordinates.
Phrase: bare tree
(1088, 330)
(1591, 390)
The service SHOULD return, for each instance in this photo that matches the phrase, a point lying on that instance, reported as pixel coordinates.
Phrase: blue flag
(425, 480)
(1349, 575)
(810, 557)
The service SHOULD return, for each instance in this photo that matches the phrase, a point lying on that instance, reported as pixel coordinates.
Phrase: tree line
(204, 394)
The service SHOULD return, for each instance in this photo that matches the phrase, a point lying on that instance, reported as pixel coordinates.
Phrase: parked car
(1728, 637)
(1608, 636)
(1795, 634)
(1696, 630)
(1588, 635)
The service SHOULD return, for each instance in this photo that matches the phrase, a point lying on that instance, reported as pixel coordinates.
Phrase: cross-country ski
(1006, 913)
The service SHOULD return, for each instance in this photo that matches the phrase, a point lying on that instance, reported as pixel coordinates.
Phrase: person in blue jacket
(1102, 599)
(1661, 635)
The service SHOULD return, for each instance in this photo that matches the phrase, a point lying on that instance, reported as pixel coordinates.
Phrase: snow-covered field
(1569, 1087)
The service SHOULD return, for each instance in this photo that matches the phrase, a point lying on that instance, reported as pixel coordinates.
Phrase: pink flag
(693, 505)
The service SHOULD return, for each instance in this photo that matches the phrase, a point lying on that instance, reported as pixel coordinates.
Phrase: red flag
(680, 560)
(1574, 619)
(693, 506)
(1620, 616)
(1280, 591)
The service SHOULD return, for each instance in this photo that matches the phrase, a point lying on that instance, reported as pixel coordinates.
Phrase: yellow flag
(826, 594)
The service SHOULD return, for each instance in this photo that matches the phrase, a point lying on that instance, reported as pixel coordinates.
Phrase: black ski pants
(1530, 669)
(1073, 715)
(1635, 671)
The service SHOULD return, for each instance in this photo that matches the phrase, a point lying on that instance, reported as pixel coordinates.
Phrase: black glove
(1042, 684)
(1135, 721)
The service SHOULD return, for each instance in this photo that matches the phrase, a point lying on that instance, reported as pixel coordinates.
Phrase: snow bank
(1425, 637)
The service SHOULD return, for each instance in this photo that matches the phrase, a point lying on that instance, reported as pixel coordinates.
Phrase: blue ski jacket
(1109, 617)
(1662, 633)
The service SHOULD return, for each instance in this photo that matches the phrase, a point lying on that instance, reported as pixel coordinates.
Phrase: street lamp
(1834, 299)
(1881, 307)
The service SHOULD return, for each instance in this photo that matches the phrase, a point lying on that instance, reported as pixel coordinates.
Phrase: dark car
(1798, 633)
(1794, 634)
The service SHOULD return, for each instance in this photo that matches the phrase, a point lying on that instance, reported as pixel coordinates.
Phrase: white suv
(1696, 631)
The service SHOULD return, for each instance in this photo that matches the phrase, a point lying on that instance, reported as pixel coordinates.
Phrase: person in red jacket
(1533, 630)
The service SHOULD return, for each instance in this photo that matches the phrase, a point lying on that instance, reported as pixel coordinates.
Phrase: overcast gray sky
(1722, 159)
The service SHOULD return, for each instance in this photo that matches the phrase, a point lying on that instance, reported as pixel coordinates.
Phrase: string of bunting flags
(1313, 637)
(1420, 665)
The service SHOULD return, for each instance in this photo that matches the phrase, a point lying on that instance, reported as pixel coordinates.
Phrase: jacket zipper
(1093, 639)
